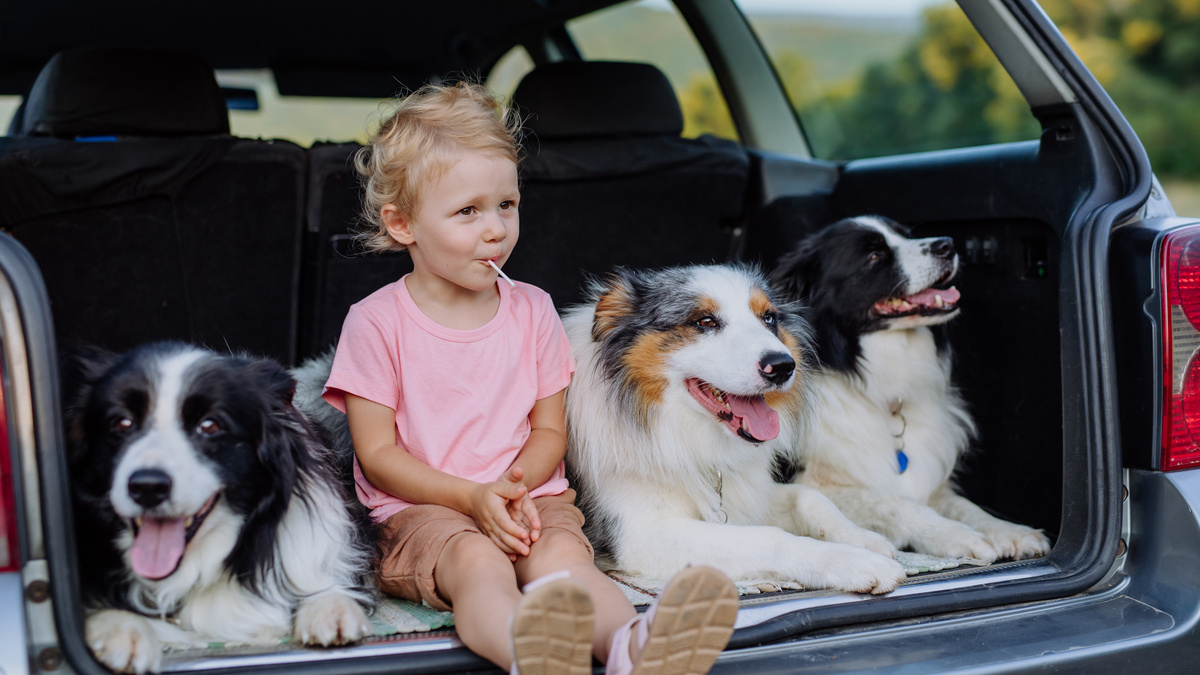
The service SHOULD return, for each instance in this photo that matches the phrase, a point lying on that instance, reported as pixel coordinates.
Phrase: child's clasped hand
(506, 514)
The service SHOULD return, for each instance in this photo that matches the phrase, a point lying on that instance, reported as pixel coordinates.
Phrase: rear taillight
(10, 559)
(1181, 348)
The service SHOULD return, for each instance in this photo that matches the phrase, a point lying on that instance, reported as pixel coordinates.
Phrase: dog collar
(719, 487)
(897, 410)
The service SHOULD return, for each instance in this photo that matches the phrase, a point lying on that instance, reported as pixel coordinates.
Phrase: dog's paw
(857, 570)
(331, 619)
(1017, 542)
(953, 539)
(124, 641)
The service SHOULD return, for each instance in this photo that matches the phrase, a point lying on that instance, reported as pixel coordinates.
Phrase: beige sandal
(552, 628)
(684, 631)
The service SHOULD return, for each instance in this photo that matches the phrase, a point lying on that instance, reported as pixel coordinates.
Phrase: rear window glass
(870, 78)
(653, 31)
(303, 120)
(8, 108)
(508, 71)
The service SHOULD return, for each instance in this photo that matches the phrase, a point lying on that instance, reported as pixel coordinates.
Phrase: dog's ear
(80, 367)
(616, 299)
(280, 450)
(836, 350)
(796, 272)
(274, 378)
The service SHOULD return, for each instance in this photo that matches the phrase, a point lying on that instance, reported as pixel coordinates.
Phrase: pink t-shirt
(462, 398)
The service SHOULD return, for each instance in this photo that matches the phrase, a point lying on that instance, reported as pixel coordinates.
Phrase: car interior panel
(195, 215)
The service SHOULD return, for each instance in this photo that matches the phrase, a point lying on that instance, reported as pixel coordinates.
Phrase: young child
(453, 384)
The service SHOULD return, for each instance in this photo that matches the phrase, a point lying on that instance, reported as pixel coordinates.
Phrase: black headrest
(589, 99)
(125, 92)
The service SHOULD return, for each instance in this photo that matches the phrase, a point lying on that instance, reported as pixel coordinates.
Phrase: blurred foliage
(1146, 53)
(643, 31)
(945, 89)
(704, 108)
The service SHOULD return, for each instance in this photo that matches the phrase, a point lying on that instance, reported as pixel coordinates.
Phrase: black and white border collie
(689, 382)
(205, 506)
(888, 426)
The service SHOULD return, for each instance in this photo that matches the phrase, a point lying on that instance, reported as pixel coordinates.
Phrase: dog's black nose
(942, 247)
(776, 367)
(149, 487)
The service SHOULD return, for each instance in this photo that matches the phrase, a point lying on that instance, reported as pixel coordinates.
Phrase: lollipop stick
(501, 273)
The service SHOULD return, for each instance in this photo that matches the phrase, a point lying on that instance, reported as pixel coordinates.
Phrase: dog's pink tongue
(758, 419)
(158, 547)
(929, 296)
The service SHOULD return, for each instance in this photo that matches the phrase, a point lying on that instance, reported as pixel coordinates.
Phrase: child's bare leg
(479, 581)
(557, 550)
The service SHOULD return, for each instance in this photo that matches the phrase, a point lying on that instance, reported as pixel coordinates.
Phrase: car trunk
(1008, 347)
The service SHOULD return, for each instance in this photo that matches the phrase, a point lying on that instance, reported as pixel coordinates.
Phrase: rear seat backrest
(337, 272)
(163, 226)
(125, 92)
(607, 180)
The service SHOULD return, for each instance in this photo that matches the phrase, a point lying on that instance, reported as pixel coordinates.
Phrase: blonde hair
(419, 141)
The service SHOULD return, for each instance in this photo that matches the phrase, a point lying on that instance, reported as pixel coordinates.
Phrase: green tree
(945, 90)
(1146, 53)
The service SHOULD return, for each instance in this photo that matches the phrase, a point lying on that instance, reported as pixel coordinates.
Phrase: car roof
(316, 47)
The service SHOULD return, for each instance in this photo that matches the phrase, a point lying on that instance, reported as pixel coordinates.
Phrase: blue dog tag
(903, 459)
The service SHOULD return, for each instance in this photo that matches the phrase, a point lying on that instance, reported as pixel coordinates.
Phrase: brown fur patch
(759, 302)
(792, 344)
(705, 306)
(614, 305)
(784, 400)
(645, 366)
(793, 397)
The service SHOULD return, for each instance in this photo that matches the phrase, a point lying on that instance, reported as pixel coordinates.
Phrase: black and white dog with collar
(888, 426)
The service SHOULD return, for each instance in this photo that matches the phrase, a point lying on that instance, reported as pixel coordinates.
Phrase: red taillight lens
(10, 559)
(1181, 348)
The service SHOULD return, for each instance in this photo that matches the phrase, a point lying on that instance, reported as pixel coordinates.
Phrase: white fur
(656, 481)
(727, 358)
(128, 642)
(165, 446)
(317, 561)
(849, 451)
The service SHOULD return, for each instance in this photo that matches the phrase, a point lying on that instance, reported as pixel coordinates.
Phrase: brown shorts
(411, 542)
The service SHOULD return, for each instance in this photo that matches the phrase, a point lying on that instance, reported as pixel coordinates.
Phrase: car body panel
(1145, 617)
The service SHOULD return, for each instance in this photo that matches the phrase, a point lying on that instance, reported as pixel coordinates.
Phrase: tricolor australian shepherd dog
(888, 426)
(688, 383)
(205, 507)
